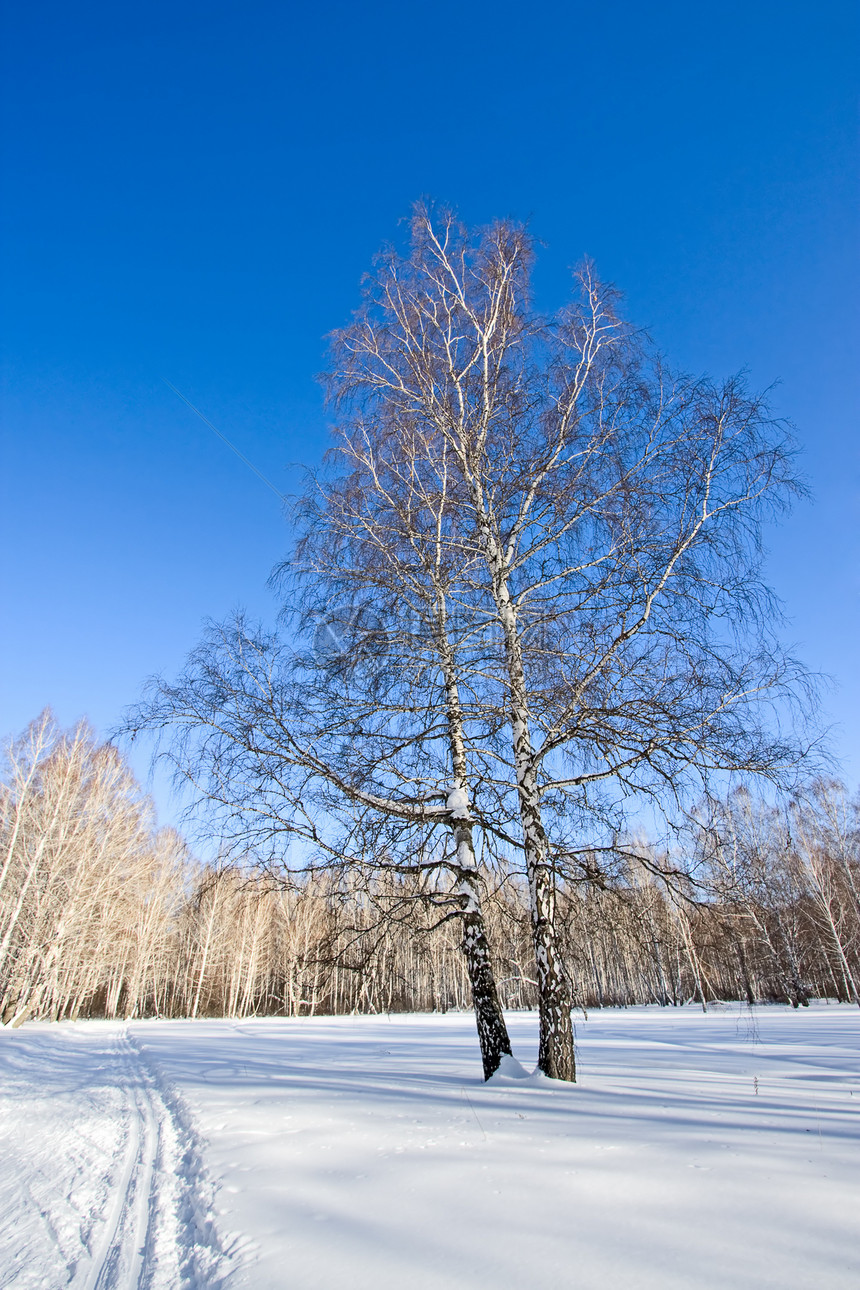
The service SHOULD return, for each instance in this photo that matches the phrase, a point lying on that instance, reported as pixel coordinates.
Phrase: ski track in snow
(101, 1186)
(697, 1152)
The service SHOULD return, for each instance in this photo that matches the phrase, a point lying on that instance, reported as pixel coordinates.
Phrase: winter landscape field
(707, 1150)
(430, 741)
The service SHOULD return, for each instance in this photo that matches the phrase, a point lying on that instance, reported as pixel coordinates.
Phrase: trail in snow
(101, 1184)
(698, 1152)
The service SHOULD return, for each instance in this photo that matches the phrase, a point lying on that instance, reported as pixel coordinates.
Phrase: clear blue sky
(193, 191)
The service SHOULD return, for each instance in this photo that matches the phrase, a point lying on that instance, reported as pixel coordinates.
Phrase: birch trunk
(556, 1056)
(492, 1029)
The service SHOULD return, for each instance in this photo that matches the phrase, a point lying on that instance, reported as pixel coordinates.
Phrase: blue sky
(192, 192)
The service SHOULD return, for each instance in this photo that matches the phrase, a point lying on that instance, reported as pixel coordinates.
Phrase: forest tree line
(104, 915)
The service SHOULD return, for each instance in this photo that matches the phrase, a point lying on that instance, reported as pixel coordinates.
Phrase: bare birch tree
(824, 834)
(319, 760)
(541, 554)
(88, 883)
(607, 518)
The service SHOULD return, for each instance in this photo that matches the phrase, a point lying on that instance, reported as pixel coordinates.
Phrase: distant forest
(104, 915)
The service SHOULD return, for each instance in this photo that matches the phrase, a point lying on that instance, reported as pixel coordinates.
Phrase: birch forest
(102, 914)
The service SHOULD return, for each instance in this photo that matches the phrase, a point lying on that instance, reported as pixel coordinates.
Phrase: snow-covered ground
(716, 1150)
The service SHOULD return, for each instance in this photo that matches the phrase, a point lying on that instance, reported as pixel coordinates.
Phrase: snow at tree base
(698, 1150)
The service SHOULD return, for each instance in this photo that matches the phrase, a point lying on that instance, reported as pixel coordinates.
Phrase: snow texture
(458, 804)
(715, 1151)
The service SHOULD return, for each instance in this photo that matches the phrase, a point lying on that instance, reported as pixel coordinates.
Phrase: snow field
(100, 1186)
(698, 1150)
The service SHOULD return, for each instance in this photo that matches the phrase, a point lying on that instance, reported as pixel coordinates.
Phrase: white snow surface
(714, 1150)
(458, 803)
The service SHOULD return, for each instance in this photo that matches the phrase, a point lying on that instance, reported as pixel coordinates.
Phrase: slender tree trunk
(556, 1053)
(744, 970)
(848, 981)
(492, 1029)
(692, 957)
